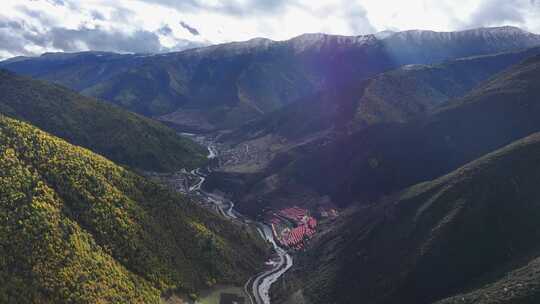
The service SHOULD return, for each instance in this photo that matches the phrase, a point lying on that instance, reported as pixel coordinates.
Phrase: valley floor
(256, 290)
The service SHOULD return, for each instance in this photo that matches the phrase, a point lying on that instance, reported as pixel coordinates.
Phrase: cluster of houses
(292, 227)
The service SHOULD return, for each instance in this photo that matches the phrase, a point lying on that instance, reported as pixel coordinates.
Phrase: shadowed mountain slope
(388, 157)
(473, 232)
(361, 166)
(399, 95)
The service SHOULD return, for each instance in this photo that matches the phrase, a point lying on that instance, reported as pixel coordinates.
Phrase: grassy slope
(395, 96)
(474, 231)
(124, 137)
(388, 157)
(75, 227)
(406, 93)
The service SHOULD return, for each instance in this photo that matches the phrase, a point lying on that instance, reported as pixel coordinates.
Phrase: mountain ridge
(222, 86)
(449, 138)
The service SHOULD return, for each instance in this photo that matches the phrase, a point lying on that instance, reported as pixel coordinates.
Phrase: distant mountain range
(223, 86)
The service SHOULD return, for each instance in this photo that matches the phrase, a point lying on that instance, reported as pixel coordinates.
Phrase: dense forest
(76, 228)
(122, 136)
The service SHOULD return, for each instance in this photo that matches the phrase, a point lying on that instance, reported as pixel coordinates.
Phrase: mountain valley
(395, 167)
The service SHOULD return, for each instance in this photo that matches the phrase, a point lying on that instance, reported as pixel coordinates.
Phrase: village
(293, 227)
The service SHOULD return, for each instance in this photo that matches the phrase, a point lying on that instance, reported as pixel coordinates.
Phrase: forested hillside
(76, 228)
(124, 137)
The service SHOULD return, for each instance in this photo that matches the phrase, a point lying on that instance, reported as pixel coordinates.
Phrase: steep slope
(395, 96)
(124, 137)
(223, 86)
(358, 166)
(410, 91)
(388, 157)
(474, 231)
(77, 228)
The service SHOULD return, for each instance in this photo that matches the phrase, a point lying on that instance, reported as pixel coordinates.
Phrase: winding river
(257, 287)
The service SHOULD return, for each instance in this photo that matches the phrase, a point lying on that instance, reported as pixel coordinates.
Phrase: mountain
(398, 95)
(342, 145)
(360, 167)
(223, 86)
(77, 228)
(470, 236)
(415, 90)
(383, 158)
(428, 46)
(122, 136)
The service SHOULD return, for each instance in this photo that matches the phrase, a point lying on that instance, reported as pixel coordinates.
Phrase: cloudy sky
(30, 27)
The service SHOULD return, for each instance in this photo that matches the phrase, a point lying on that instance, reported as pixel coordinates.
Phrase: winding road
(257, 287)
(262, 282)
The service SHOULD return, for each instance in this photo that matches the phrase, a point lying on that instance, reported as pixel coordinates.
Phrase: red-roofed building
(296, 237)
(295, 214)
(312, 223)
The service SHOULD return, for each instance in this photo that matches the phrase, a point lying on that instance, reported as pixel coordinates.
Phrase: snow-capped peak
(316, 40)
(484, 33)
(384, 34)
(234, 48)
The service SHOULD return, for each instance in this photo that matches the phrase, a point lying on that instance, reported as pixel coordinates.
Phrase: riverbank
(257, 288)
(219, 294)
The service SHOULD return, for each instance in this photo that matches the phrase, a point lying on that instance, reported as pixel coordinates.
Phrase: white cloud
(124, 24)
